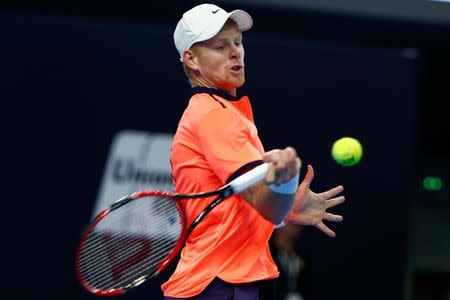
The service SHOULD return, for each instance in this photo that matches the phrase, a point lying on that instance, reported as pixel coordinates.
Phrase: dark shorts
(221, 290)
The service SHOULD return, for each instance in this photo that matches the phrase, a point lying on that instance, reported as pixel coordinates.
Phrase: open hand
(310, 208)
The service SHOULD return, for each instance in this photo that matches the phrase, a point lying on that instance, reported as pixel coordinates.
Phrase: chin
(239, 83)
(232, 84)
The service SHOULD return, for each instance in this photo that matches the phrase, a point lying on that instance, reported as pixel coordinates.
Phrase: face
(219, 61)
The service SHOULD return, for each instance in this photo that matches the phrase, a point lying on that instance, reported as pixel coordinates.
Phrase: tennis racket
(139, 235)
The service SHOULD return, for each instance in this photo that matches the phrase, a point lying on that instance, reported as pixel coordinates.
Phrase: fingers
(322, 227)
(333, 217)
(306, 182)
(284, 165)
(308, 177)
(335, 201)
(270, 175)
(333, 192)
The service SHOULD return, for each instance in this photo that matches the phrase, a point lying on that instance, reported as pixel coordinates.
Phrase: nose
(235, 52)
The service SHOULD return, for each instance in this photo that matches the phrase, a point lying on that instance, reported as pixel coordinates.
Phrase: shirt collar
(221, 93)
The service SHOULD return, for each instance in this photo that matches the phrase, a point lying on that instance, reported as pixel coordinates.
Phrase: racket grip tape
(252, 177)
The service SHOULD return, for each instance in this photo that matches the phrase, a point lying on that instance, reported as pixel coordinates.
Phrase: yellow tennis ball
(347, 151)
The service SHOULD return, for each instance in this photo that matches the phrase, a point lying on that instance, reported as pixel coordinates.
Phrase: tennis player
(227, 255)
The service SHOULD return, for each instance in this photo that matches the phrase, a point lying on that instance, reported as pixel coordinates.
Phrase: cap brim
(243, 19)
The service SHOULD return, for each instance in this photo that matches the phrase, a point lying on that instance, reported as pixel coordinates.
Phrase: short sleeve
(227, 142)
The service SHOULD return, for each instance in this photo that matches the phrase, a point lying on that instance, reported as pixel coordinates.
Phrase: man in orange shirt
(227, 254)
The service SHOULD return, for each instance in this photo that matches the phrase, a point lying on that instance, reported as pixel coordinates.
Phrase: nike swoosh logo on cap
(214, 11)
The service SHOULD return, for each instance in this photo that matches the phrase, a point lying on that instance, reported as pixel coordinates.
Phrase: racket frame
(120, 202)
(238, 185)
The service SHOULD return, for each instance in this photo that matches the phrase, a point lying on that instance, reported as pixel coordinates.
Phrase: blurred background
(74, 75)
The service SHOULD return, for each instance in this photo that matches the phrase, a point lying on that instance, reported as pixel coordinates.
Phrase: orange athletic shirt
(215, 138)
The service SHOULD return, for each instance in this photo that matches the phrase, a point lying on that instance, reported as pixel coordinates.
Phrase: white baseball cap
(203, 22)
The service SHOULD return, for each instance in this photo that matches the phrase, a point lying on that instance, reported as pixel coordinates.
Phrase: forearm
(275, 201)
(271, 205)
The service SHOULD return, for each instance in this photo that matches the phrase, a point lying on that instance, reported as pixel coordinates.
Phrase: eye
(220, 47)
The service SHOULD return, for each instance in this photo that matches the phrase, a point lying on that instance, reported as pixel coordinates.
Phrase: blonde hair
(187, 70)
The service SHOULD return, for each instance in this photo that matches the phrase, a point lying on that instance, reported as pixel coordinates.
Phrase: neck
(201, 83)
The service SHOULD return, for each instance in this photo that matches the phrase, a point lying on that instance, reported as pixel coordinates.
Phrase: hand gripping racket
(139, 235)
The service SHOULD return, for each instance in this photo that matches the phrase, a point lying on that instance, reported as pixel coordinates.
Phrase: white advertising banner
(137, 160)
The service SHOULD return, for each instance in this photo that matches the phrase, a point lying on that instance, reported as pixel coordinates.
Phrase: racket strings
(120, 258)
(99, 240)
(122, 249)
(107, 282)
(132, 275)
(88, 262)
(157, 255)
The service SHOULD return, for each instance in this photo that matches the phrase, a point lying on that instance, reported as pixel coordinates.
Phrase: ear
(190, 59)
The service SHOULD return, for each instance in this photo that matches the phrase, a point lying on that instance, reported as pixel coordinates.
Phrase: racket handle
(252, 177)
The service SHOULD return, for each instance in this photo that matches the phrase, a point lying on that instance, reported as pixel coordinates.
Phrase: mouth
(237, 68)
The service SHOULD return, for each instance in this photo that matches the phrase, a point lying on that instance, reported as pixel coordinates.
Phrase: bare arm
(272, 205)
